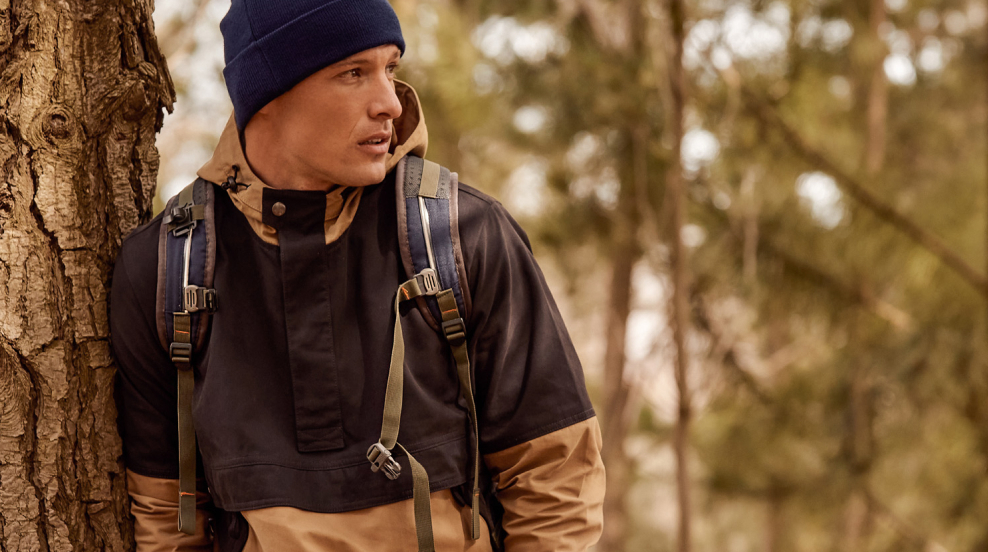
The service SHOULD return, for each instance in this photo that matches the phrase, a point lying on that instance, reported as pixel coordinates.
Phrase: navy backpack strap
(429, 240)
(186, 262)
(423, 187)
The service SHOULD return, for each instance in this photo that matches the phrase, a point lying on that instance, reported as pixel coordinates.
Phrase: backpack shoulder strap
(426, 196)
(186, 263)
(429, 239)
(188, 232)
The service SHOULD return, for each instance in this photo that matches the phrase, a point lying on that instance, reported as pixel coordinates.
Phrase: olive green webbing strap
(458, 343)
(393, 392)
(186, 432)
(182, 323)
(423, 508)
(392, 421)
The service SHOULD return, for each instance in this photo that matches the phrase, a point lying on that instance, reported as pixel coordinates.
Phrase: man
(290, 390)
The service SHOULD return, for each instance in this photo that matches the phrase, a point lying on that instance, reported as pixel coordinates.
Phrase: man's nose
(386, 104)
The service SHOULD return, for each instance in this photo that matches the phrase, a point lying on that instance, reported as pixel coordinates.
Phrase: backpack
(429, 242)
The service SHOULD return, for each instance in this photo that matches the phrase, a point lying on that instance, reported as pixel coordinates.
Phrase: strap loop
(181, 355)
(455, 331)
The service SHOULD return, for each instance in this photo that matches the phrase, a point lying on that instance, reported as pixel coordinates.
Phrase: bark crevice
(31, 449)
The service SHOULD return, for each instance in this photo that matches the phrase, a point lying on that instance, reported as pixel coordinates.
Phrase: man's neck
(275, 167)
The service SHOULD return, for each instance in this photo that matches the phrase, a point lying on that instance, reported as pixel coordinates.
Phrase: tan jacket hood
(409, 135)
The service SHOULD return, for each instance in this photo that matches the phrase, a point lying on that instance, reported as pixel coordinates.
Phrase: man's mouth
(372, 142)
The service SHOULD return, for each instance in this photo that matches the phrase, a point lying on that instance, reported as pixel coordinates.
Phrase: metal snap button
(278, 209)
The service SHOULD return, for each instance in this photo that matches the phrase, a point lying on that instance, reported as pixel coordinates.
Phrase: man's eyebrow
(362, 61)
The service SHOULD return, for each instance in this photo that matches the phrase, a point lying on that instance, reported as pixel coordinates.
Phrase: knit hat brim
(281, 59)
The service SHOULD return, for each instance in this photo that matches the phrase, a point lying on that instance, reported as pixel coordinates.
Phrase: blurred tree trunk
(878, 90)
(680, 304)
(860, 440)
(857, 522)
(81, 90)
(773, 521)
(616, 391)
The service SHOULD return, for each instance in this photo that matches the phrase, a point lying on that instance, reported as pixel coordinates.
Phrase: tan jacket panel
(154, 505)
(552, 490)
(409, 135)
(390, 527)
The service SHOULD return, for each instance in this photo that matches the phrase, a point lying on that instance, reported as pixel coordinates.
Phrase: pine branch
(853, 187)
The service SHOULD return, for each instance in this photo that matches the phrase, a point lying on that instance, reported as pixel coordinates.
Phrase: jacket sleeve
(538, 432)
(146, 390)
(154, 505)
(528, 380)
(552, 490)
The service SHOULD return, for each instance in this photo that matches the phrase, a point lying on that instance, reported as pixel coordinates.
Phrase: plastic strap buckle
(455, 330)
(196, 298)
(181, 354)
(381, 460)
(180, 220)
(428, 281)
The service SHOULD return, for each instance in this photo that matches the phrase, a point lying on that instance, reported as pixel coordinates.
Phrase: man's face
(335, 126)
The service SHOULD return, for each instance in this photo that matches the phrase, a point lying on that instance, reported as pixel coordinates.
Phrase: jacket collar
(409, 136)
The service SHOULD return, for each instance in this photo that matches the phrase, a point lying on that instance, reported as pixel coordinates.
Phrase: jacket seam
(539, 432)
(377, 500)
(452, 437)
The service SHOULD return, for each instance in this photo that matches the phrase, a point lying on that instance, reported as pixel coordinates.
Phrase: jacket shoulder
(139, 254)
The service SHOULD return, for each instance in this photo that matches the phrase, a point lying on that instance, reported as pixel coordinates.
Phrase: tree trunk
(774, 524)
(82, 85)
(878, 91)
(617, 416)
(616, 393)
(680, 292)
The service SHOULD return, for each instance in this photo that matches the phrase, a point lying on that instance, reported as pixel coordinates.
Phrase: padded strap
(185, 239)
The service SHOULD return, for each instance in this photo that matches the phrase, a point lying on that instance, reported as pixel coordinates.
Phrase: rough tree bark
(82, 85)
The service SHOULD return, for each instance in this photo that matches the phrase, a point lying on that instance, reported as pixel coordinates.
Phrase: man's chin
(366, 175)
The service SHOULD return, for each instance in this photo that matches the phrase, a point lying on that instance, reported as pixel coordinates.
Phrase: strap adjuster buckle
(381, 460)
(180, 220)
(181, 354)
(196, 298)
(455, 329)
(428, 281)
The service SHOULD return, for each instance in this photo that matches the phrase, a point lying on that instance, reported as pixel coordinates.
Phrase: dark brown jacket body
(290, 390)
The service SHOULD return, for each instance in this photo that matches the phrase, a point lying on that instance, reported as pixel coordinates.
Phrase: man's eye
(393, 68)
(352, 73)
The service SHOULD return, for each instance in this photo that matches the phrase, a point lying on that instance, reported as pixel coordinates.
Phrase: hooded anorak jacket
(289, 390)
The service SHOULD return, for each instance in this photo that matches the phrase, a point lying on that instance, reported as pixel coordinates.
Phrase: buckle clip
(455, 330)
(181, 354)
(180, 220)
(196, 298)
(428, 281)
(381, 460)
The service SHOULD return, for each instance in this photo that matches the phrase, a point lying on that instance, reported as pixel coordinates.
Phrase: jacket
(289, 392)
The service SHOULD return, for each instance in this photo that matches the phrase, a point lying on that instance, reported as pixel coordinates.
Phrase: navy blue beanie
(272, 45)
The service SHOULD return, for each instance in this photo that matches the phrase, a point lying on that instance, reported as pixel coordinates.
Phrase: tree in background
(82, 85)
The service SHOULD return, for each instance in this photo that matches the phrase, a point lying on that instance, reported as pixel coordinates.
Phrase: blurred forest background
(823, 383)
